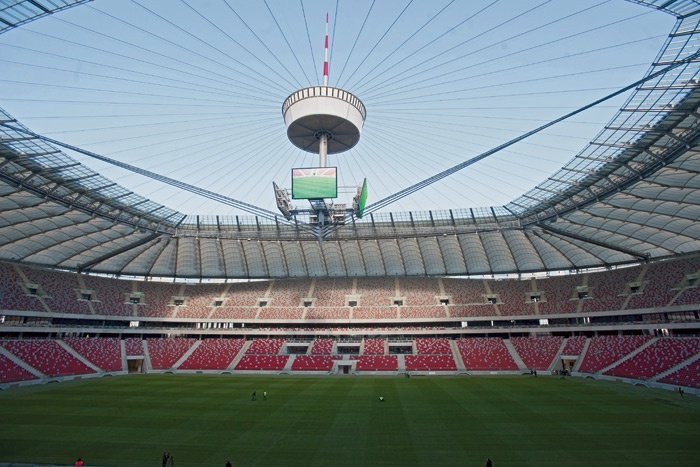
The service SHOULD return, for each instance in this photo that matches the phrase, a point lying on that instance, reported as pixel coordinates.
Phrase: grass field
(428, 421)
(314, 187)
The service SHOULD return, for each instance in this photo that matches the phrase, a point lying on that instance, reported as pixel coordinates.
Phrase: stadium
(493, 225)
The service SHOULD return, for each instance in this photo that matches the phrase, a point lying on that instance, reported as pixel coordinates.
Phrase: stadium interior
(595, 272)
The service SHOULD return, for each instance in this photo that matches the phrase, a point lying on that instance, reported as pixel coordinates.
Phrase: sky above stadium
(193, 90)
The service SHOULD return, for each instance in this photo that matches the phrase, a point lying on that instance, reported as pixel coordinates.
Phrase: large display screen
(315, 183)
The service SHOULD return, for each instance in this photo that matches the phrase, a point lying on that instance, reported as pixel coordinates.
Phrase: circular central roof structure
(317, 110)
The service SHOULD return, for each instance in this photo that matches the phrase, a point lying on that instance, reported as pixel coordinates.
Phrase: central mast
(324, 120)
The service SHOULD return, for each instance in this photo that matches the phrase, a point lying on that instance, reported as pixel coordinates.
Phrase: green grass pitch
(314, 187)
(203, 420)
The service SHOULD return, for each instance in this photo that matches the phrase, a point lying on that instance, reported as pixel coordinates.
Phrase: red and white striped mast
(323, 137)
(325, 61)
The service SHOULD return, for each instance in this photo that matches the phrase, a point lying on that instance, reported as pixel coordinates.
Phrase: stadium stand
(61, 290)
(332, 292)
(327, 313)
(537, 352)
(514, 297)
(433, 311)
(322, 346)
(281, 313)
(47, 356)
(265, 347)
(111, 296)
(574, 345)
(246, 293)
(658, 357)
(376, 362)
(432, 346)
(12, 295)
(235, 312)
(375, 312)
(213, 354)
(11, 372)
(659, 280)
(688, 375)
(289, 293)
(133, 346)
(262, 362)
(419, 291)
(375, 292)
(165, 352)
(374, 347)
(156, 298)
(199, 300)
(312, 363)
(485, 354)
(103, 352)
(603, 351)
(607, 290)
(465, 291)
(558, 294)
(430, 363)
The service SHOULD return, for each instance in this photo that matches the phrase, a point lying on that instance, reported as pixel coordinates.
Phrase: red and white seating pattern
(375, 291)
(60, 290)
(472, 311)
(689, 375)
(133, 347)
(537, 353)
(312, 363)
(12, 296)
(485, 353)
(328, 313)
(661, 277)
(235, 312)
(375, 312)
(322, 346)
(432, 346)
(198, 300)
(606, 350)
(558, 292)
(103, 352)
(376, 362)
(656, 358)
(332, 292)
(246, 293)
(374, 347)
(112, 295)
(419, 291)
(165, 353)
(607, 289)
(47, 356)
(433, 311)
(11, 372)
(262, 362)
(465, 291)
(514, 295)
(289, 293)
(574, 345)
(281, 313)
(156, 298)
(265, 347)
(430, 363)
(213, 354)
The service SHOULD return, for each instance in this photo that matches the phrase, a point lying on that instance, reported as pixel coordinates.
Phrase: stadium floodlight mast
(323, 120)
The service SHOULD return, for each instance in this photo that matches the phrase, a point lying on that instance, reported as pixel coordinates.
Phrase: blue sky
(193, 90)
